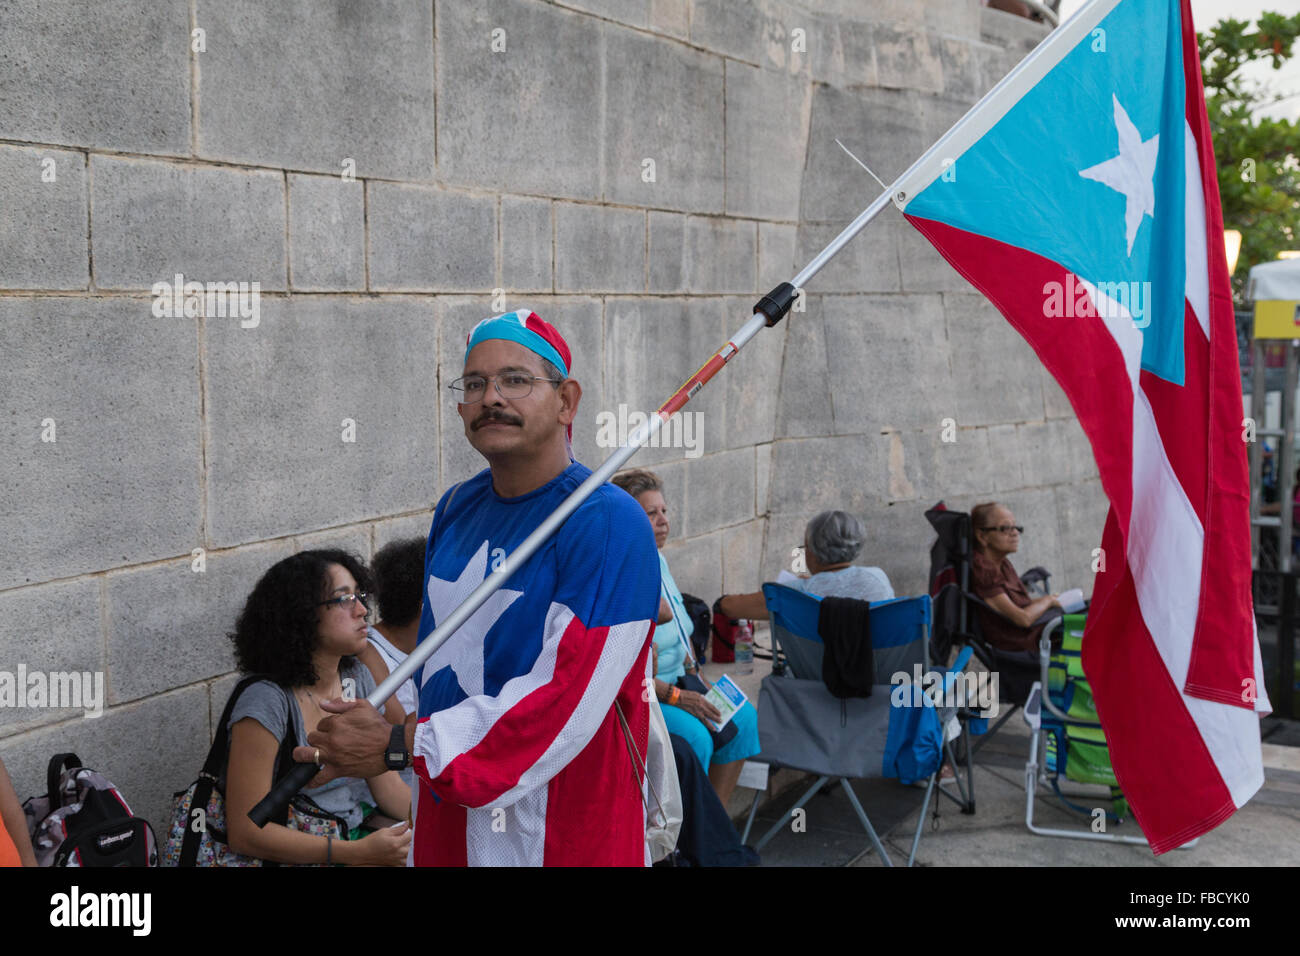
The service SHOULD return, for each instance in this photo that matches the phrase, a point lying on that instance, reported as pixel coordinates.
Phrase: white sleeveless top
(406, 694)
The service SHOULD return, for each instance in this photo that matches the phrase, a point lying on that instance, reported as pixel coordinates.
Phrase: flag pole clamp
(777, 303)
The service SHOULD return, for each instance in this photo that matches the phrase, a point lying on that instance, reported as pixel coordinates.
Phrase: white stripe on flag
(1165, 547)
(1197, 283)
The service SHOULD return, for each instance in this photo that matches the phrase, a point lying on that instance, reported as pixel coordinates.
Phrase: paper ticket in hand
(1071, 600)
(727, 697)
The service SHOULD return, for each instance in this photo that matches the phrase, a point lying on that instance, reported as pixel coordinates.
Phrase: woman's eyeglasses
(1006, 528)
(347, 601)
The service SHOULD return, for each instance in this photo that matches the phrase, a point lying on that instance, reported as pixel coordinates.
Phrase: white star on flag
(463, 651)
(1132, 172)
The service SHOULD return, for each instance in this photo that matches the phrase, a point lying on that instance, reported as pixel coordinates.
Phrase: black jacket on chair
(848, 665)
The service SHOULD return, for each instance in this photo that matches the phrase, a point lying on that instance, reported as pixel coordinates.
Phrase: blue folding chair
(894, 733)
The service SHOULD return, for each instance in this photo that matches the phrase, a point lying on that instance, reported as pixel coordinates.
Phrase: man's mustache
(488, 418)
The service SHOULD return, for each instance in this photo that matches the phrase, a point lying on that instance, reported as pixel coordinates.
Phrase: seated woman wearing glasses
(1016, 625)
(303, 625)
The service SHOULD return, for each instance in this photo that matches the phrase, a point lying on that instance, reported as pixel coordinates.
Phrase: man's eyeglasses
(348, 601)
(471, 388)
(1006, 528)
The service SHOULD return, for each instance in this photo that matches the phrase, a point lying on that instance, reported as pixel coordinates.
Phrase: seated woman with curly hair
(302, 626)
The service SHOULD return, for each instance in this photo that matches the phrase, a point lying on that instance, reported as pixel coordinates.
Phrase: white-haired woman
(831, 541)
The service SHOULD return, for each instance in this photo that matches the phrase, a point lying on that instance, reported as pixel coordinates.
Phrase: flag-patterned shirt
(519, 755)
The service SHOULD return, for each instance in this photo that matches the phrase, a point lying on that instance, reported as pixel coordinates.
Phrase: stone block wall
(389, 172)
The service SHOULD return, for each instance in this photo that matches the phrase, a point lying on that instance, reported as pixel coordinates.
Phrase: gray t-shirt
(863, 584)
(271, 706)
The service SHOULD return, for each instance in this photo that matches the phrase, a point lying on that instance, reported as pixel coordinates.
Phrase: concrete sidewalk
(1264, 832)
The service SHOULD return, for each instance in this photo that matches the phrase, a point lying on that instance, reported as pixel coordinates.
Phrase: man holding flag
(529, 713)
(1083, 202)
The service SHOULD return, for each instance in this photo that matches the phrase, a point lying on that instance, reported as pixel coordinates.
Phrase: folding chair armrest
(1045, 662)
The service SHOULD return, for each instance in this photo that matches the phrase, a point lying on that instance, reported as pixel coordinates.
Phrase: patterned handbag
(198, 830)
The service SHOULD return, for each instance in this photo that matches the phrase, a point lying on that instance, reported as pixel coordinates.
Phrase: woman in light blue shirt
(678, 684)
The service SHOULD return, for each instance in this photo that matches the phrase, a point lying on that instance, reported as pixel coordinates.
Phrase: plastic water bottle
(745, 647)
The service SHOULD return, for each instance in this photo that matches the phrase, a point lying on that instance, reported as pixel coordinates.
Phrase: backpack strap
(53, 774)
(218, 754)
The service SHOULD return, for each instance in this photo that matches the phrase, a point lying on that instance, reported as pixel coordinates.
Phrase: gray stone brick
(526, 244)
(1055, 451)
(107, 76)
(840, 52)
(972, 465)
(1009, 457)
(651, 347)
(50, 628)
(757, 32)
(663, 102)
(784, 534)
(168, 625)
(425, 239)
(742, 552)
(901, 339)
(898, 540)
(632, 12)
(813, 474)
(120, 481)
(805, 406)
(768, 113)
(670, 18)
(219, 692)
(361, 78)
(869, 263)
(512, 120)
(982, 341)
(149, 749)
(696, 565)
(1055, 404)
(151, 220)
(750, 380)
(881, 127)
(722, 491)
(700, 254)
(401, 528)
(1081, 514)
(776, 251)
(962, 75)
(907, 59)
(327, 233)
(354, 539)
(763, 474)
(277, 396)
(599, 249)
(55, 256)
(1015, 34)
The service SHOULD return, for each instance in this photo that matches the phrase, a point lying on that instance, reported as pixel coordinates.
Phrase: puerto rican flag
(1080, 197)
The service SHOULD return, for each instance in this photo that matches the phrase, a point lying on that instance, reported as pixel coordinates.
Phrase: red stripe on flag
(1223, 648)
(1163, 766)
(439, 838)
(1077, 349)
(522, 734)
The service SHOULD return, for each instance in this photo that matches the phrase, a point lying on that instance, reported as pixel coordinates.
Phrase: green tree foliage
(1258, 157)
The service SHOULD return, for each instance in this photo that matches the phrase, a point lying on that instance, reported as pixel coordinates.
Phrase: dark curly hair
(399, 580)
(275, 633)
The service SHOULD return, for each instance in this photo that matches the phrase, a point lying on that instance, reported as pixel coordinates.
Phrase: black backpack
(82, 820)
(702, 618)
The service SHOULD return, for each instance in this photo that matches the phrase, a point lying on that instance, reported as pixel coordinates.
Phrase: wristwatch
(397, 757)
